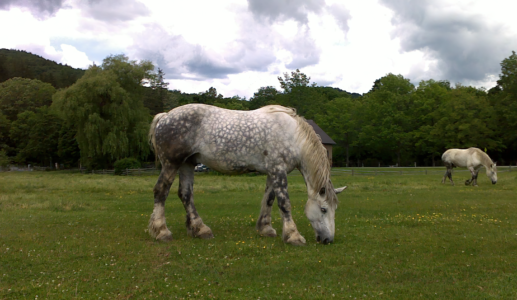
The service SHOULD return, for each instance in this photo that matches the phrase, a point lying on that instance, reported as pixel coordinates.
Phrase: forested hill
(19, 63)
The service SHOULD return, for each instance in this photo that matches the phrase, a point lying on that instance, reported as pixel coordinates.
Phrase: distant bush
(126, 163)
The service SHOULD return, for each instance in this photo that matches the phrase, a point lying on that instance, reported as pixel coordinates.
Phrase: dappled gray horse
(272, 140)
(473, 159)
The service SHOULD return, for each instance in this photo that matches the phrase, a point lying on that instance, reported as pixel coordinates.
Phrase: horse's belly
(229, 163)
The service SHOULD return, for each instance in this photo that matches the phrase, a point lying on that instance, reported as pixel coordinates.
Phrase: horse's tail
(151, 136)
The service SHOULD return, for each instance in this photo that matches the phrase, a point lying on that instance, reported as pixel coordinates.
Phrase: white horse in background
(473, 159)
(272, 140)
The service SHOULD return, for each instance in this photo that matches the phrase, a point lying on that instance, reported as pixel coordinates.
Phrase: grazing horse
(473, 159)
(272, 140)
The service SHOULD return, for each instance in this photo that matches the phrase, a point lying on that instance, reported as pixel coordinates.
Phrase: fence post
(352, 172)
(127, 172)
(400, 172)
(425, 171)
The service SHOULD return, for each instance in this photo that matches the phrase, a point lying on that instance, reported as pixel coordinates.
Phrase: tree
(298, 94)
(36, 135)
(16, 63)
(208, 97)
(388, 117)
(20, 94)
(5, 125)
(340, 122)
(264, 96)
(234, 103)
(428, 98)
(172, 100)
(293, 80)
(157, 97)
(67, 148)
(106, 106)
(465, 119)
(504, 100)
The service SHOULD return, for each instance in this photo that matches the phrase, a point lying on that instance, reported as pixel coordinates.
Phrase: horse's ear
(339, 190)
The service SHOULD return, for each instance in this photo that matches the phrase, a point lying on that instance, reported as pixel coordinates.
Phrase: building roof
(325, 138)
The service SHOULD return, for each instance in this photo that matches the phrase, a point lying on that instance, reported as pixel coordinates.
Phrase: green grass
(74, 236)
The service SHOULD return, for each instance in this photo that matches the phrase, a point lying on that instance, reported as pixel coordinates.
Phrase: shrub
(126, 163)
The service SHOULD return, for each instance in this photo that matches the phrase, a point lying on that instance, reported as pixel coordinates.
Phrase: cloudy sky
(239, 46)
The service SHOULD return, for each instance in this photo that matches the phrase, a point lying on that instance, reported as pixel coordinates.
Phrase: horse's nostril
(326, 241)
(318, 239)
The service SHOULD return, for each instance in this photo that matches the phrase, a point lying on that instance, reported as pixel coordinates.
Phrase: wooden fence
(405, 171)
(126, 172)
(335, 171)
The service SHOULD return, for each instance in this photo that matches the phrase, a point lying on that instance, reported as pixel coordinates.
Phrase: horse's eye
(322, 191)
(323, 210)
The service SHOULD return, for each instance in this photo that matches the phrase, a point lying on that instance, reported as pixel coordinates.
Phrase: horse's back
(462, 157)
(226, 140)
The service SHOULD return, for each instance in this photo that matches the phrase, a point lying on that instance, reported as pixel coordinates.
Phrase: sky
(239, 46)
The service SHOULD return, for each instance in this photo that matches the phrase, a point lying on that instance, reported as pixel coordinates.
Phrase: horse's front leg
(290, 233)
(472, 180)
(475, 177)
(194, 223)
(264, 220)
(157, 226)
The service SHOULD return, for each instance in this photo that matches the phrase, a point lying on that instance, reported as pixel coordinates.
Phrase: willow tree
(106, 107)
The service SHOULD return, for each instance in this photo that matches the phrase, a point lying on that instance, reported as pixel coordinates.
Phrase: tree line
(104, 116)
(19, 63)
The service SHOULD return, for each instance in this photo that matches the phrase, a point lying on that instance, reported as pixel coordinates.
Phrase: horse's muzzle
(494, 182)
(324, 241)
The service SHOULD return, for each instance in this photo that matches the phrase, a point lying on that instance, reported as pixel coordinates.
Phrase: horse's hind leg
(157, 226)
(194, 223)
(448, 173)
(445, 175)
(264, 221)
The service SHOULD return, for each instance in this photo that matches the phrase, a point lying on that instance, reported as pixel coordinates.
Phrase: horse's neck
(486, 161)
(306, 177)
(310, 176)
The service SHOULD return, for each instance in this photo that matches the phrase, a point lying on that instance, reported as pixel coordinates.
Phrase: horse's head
(320, 210)
(491, 172)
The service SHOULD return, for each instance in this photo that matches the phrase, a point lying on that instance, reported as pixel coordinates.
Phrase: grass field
(75, 236)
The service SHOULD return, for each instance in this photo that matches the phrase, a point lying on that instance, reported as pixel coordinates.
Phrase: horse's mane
(485, 159)
(314, 155)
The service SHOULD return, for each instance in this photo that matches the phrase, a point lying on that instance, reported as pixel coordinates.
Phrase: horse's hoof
(268, 231)
(296, 240)
(206, 235)
(164, 236)
(203, 232)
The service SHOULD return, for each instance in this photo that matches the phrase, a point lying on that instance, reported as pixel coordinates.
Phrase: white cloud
(239, 46)
(74, 58)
